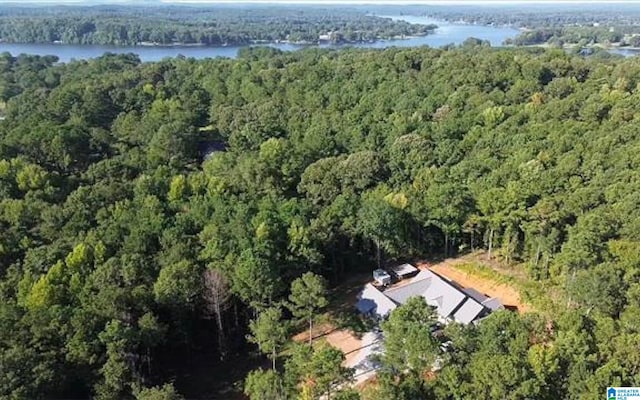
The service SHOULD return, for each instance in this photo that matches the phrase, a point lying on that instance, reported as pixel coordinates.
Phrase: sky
(346, 2)
(392, 2)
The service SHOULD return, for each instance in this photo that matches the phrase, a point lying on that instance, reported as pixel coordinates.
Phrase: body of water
(629, 52)
(446, 33)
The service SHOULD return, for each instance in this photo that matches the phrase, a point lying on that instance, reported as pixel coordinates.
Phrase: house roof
(450, 301)
(474, 294)
(493, 304)
(438, 293)
(451, 297)
(404, 270)
(468, 311)
(402, 293)
(424, 274)
(373, 300)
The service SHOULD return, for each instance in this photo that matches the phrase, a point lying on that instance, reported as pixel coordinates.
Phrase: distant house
(324, 38)
(450, 302)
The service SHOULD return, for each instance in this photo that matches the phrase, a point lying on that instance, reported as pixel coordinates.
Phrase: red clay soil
(345, 341)
(507, 294)
(319, 330)
(340, 338)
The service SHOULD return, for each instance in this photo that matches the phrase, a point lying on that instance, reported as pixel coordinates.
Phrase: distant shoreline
(256, 42)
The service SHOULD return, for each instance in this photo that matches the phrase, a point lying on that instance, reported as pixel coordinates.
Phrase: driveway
(362, 360)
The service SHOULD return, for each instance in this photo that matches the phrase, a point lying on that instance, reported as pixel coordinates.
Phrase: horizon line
(327, 2)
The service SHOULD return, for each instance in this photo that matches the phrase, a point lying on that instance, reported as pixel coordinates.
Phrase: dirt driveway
(358, 351)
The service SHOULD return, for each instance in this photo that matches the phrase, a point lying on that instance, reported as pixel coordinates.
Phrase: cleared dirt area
(347, 342)
(342, 339)
(319, 330)
(508, 295)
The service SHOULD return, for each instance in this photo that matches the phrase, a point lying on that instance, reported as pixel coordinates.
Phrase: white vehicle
(381, 277)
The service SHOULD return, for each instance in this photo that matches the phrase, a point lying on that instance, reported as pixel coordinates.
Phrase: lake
(626, 52)
(446, 33)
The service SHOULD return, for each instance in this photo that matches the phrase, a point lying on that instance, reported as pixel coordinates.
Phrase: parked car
(381, 277)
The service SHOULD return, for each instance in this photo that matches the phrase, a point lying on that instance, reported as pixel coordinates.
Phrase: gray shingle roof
(402, 293)
(451, 297)
(477, 296)
(373, 300)
(438, 292)
(425, 273)
(450, 301)
(468, 311)
(493, 304)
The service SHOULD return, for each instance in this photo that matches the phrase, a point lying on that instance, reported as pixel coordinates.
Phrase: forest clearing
(357, 346)
(500, 288)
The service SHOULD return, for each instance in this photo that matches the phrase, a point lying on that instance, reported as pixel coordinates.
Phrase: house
(451, 303)
(326, 38)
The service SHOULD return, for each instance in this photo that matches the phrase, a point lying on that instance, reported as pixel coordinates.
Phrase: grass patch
(483, 271)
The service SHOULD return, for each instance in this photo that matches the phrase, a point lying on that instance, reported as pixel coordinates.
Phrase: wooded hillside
(208, 26)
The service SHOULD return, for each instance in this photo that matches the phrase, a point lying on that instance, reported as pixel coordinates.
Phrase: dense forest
(156, 217)
(579, 36)
(210, 26)
(570, 35)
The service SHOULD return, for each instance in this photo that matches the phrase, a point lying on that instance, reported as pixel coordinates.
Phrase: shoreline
(573, 46)
(226, 45)
(445, 34)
